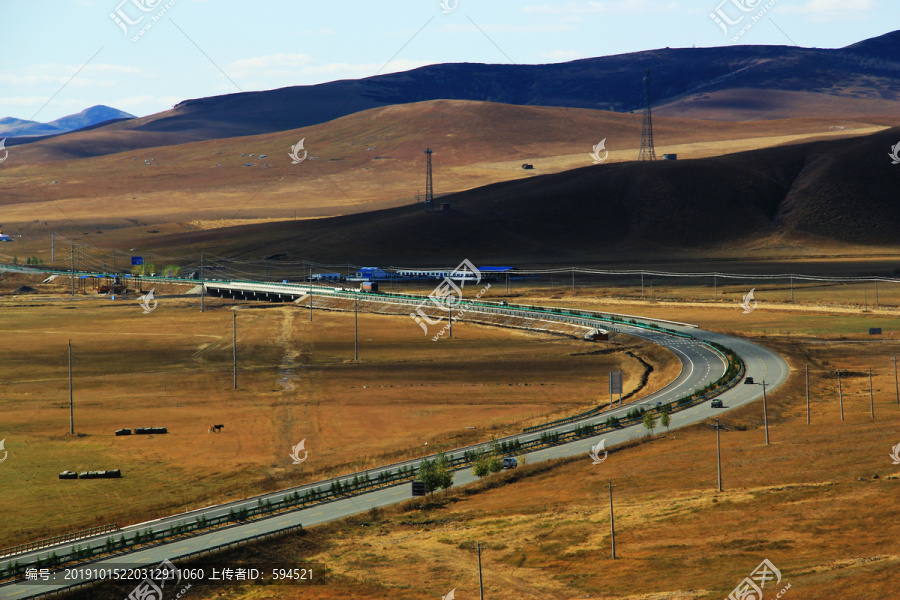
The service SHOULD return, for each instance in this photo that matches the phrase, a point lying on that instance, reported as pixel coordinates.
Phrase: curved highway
(700, 366)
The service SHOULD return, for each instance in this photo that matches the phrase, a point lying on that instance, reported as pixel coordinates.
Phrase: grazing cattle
(215, 428)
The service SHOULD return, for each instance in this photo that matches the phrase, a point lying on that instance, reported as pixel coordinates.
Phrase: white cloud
(22, 100)
(145, 104)
(507, 28)
(830, 10)
(618, 6)
(276, 61)
(269, 72)
(561, 55)
(57, 74)
(820, 6)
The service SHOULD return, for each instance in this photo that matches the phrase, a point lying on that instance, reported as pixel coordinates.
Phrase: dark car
(716, 404)
(748, 381)
(510, 463)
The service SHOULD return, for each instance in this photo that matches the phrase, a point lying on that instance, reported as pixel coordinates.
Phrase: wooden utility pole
(840, 395)
(807, 394)
(72, 252)
(612, 520)
(356, 329)
(71, 397)
(896, 383)
(718, 454)
(310, 306)
(450, 319)
(234, 346)
(202, 283)
(480, 579)
(871, 395)
(765, 413)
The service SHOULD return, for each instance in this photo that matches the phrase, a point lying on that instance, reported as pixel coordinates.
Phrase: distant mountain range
(12, 127)
(733, 83)
(861, 79)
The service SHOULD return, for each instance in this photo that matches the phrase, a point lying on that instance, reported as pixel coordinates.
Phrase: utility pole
(807, 394)
(450, 319)
(612, 521)
(896, 383)
(480, 580)
(234, 347)
(718, 454)
(356, 329)
(310, 306)
(840, 395)
(72, 252)
(71, 397)
(765, 413)
(507, 283)
(202, 283)
(871, 395)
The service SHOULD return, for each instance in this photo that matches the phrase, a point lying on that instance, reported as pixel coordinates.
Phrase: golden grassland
(819, 502)
(477, 144)
(296, 380)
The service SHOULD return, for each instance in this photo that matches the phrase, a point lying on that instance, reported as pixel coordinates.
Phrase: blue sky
(61, 56)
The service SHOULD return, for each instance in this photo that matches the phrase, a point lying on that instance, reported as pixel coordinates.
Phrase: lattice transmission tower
(647, 150)
(429, 182)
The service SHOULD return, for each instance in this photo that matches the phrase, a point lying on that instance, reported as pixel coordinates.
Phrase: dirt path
(287, 365)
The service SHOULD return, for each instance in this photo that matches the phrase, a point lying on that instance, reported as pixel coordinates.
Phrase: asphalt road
(700, 366)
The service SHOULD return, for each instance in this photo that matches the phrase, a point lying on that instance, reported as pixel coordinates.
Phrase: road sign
(418, 488)
(615, 382)
(137, 260)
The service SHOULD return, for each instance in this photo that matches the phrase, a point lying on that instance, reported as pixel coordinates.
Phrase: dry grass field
(819, 502)
(366, 161)
(296, 380)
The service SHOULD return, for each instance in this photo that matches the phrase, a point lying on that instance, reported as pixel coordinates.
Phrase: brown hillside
(841, 190)
(365, 161)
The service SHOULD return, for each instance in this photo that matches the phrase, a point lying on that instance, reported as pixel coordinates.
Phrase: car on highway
(716, 404)
(510, 463)
(748, 381)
